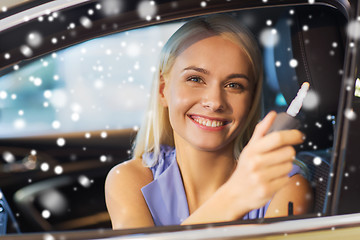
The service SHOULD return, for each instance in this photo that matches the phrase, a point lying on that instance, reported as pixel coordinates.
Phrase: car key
(286, 120)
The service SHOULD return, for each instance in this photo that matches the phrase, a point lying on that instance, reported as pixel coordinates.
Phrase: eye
(235, 86)
(195, 79)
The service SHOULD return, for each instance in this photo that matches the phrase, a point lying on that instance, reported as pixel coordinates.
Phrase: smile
(213, 123)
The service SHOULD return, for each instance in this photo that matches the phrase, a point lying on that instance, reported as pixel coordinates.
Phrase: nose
(214, 99)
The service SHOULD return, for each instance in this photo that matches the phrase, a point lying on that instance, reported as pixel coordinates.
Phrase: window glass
(82, 87)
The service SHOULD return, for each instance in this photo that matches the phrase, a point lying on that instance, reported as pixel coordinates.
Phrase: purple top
(165, 195)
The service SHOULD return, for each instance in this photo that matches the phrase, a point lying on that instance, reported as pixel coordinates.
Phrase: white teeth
(209, 123)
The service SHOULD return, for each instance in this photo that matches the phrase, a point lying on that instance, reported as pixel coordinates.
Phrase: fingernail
(303, 137)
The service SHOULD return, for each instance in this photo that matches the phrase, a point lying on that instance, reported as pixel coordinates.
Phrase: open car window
(113, 74)
(69, 115)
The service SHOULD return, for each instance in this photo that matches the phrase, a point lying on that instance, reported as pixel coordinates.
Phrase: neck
(203, 172)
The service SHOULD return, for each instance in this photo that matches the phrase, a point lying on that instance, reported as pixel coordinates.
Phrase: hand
(264, 165)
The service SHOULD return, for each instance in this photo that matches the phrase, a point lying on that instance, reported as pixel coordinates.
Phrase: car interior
(47, 186)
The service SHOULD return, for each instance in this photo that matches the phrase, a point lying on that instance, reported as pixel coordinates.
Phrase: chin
(209, 146)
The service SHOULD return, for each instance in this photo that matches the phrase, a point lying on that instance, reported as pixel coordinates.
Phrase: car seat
(314, 37)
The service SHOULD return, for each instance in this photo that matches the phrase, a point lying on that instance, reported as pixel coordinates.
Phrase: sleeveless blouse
(165, 195)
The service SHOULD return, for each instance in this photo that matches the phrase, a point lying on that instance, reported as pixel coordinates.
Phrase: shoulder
(298, 191)
(130, 172)
(124, 200)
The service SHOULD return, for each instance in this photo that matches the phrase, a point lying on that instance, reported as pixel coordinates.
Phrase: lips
(209, 122)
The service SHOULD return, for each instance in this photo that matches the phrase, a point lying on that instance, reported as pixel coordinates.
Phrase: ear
(162, 96)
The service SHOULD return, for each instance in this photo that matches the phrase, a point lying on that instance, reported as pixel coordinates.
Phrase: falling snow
(19, 124)
(44, 167)
(353, 29)
(350, 114)
(293, 63)
(48, 236)
(269, 37)
(71, 26)
(84, 181)
(47, 94)
(317, 161)
(8, 157)
(3, 94)
(103, 134)
(75, 117)
(60, 142)
(26, 51)
(58, 170)
(85, 22)
(110, 7)
(34, 39)
(103, 158)
(147, 9)
(311, 100)
(319, 125)
(37, 82)
(45, 214)
(56, 124)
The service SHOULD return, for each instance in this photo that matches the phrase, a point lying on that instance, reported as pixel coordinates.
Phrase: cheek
(179, 103)
(180, 98)
(242, 107)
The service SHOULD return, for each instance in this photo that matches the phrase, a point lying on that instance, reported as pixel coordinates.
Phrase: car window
(68, 117)
(80, 88)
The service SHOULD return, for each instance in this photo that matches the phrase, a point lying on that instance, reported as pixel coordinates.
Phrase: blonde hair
(156, 129)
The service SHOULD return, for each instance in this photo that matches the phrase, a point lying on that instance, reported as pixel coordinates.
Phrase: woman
(205, 104)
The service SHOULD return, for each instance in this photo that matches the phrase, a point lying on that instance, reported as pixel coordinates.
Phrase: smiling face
(208, 93)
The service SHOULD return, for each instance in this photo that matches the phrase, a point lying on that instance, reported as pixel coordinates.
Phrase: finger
(277, 171)
(279, 139)
(263, 126)
(278, 156)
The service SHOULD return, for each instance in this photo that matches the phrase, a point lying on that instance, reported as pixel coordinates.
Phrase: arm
(298, 191)
(124, 200)
(262, 172)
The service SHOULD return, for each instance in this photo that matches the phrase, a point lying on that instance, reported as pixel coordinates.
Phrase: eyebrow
(204, 71)
(197, 69)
